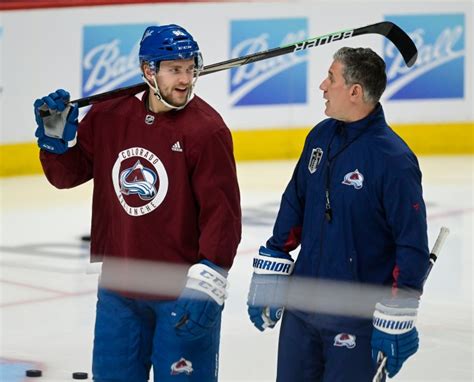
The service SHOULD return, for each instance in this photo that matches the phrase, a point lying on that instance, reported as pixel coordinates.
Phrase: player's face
(175, 79)
(336, 93)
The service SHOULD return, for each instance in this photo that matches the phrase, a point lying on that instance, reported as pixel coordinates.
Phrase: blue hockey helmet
(167, 43)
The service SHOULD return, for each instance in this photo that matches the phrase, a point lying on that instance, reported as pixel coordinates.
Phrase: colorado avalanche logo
(138, 180)
(142, 185)
(345, 340)
(354, 178)
(182, 366)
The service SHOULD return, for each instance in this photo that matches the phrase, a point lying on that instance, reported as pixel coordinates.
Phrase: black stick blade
(397, 36)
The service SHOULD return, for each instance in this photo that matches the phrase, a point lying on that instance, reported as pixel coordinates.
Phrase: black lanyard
(339, 128)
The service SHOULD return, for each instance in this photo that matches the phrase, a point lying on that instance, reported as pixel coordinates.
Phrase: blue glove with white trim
(269, 287)
(394, 334)
(201, 302)
(57, 131)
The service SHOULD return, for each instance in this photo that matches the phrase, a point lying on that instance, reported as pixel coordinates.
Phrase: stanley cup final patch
(315, 160)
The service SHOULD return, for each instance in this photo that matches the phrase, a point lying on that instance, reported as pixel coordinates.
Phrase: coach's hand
(394, 334)
(269, 287)
(57, 131)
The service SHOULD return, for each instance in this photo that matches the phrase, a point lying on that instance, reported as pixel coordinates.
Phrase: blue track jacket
(355, 205)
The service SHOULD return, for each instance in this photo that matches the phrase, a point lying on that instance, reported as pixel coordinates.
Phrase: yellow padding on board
(424, 139)
(269, 144)
(442, 138)
(19, 159)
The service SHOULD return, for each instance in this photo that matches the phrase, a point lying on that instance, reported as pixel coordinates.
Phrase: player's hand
(199, 307)
(57, 131)
(269, 287)
(394, 334)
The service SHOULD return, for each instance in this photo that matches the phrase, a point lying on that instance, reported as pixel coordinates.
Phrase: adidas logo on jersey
(177, 147)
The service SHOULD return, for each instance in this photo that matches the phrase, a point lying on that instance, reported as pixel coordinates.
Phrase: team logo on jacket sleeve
(354, 178)
(140, 181)
(315, 160)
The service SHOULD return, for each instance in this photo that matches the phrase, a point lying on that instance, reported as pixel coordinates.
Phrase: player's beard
(177, 100)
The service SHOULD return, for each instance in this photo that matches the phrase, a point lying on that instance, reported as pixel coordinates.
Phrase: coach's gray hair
(364, 67)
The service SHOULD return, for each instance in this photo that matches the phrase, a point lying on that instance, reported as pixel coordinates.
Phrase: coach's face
(337, 93)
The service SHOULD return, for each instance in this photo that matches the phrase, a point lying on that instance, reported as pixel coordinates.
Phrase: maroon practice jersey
(165, 185)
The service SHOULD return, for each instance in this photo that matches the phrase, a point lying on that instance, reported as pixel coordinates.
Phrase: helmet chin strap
(159, 97)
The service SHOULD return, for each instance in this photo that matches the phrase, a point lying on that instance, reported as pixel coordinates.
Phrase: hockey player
(355, 205)
(165, 190)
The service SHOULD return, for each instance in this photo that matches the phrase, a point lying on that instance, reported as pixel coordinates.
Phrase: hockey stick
(394, 33)
(443, 233)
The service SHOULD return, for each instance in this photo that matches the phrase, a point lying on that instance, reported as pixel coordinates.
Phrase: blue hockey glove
(200, 304)
(57, 131)
(268, 288)
(394, 334)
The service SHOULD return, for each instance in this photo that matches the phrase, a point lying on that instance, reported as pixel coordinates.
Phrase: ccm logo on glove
(209, 281)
